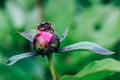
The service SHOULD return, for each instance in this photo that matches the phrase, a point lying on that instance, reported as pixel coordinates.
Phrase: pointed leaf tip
(5, 61)
(64, 35)
(16, 58)
(26, 35)
(93, 47)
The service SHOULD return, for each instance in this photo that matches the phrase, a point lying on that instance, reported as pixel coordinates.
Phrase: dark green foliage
(88, 20)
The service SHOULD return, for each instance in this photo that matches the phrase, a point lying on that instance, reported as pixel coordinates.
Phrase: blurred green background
(88, 20)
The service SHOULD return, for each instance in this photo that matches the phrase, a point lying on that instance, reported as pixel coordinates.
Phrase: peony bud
(45, 42)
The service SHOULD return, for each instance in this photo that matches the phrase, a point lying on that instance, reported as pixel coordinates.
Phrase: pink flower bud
(45, 42)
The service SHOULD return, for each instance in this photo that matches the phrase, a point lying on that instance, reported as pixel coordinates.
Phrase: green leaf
(16, 58)
(93, 47)
(96, 70)
(64, 35)
(29, 35)
(26, 35)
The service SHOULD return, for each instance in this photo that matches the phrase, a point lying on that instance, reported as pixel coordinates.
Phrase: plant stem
(52, 69)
